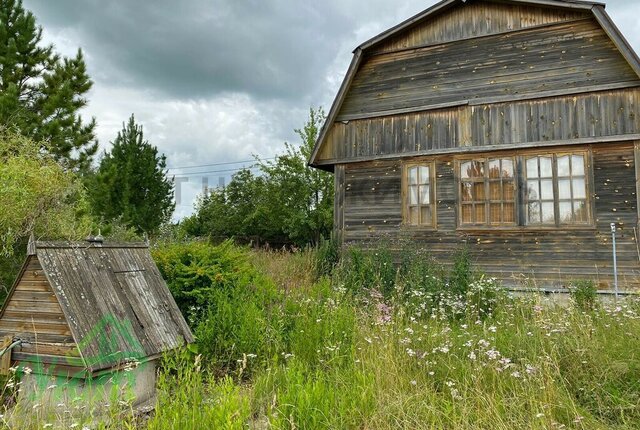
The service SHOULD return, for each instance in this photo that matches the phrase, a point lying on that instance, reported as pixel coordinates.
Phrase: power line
(187, 174)
(219, 164)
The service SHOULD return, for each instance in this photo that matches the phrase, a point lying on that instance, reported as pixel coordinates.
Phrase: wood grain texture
(96, 305)
(33, 315)
(528, 122)
(568, 55)
(517, 256)
(476, 19)
(115, 301)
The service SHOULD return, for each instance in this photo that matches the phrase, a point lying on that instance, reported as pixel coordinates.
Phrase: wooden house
(512, 126)
(82, 313)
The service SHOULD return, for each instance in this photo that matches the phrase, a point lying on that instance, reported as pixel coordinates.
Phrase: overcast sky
(215, 81)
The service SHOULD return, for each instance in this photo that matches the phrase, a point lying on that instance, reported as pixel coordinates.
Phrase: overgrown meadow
(299, 341)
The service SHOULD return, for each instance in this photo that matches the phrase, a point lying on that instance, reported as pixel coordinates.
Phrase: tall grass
(382, 345)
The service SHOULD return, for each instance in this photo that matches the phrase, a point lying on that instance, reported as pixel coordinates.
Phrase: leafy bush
(367, 271)
(195, 272)
(327, 256)
(584, 294)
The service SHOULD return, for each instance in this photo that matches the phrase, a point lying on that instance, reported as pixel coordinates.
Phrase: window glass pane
(426, 215)
(564, 189)
(563, 166)
(494, 169)
(413, 195)
(532, 168)
(466, 170)
(477, 169)
(546, 189)
(533, 213)
(413, 175)
(507, 168)
(509, 213)
(548, 213)
(509, 190)
(494, 191)
(495, 213)
(580, 211)
(467, 195)
(577, 165)
(566, 212)
(579, 189)
(533, 190)
(414, 215)
(424, 175)
(546, 171)
(425, 197)
(478, 191)
(467, 214)
(480, 214)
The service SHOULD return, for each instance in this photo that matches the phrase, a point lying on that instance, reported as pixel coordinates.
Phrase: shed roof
(115, 301)
(597, 9)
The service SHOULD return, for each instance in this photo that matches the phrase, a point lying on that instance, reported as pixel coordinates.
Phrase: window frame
(556, 178)
(520, 199)
(433, 205)
(487, 180)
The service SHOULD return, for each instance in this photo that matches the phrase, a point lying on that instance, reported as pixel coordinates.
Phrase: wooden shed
(84, 312)
(511, 126)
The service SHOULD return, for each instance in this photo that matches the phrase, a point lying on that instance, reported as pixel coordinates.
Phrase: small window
(419, 200)
(556, 190)
(488, 192)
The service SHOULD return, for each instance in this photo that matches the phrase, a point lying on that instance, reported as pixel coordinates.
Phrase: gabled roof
(596, 8)
(114, 299)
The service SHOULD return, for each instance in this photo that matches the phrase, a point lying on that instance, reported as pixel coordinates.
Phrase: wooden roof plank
(617, 37)
(101, 286)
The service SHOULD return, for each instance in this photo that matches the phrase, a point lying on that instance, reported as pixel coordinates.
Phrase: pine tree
(41, 93)
(130, 184)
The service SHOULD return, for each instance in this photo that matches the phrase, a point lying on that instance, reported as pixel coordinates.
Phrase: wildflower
(530, 369)
(493, 329)
(414, 383)
(432, 373)
(516, 374)
(472, 356)
(539, 415)
(411, 352)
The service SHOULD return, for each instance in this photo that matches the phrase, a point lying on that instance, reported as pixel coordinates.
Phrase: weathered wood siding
(518, 256)
(572, 56)
(478, 18)
(527, 122)
(32, 314)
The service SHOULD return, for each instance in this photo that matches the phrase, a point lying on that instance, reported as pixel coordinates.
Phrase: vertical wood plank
(338, 211)
(5, 360)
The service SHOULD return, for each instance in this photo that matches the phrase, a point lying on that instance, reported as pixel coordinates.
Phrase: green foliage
(327, 256)
(461, 275)
(196, 272)
(190, 399)
(584, 294)
(288, 201)
(42, 195)
(41, 93)
(365, 271)
(130, 184)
